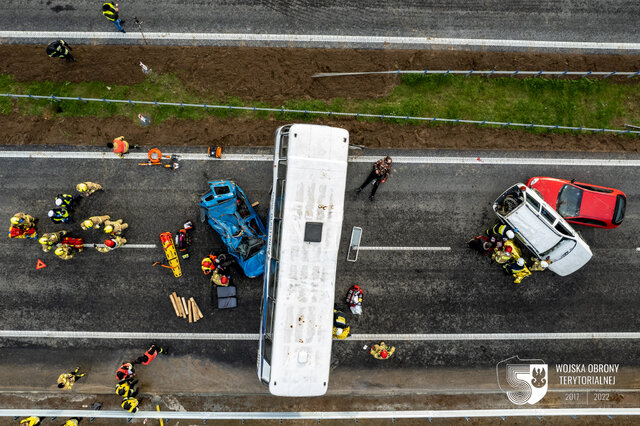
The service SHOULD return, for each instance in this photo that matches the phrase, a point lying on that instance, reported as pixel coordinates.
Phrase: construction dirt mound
(274, 75)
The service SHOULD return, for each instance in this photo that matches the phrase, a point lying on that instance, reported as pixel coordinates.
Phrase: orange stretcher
(172, 255)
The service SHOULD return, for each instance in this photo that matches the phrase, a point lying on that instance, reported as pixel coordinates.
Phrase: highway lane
(405, 292)
(593, 21)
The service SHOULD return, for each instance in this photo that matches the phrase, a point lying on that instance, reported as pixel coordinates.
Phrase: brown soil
(277, 74)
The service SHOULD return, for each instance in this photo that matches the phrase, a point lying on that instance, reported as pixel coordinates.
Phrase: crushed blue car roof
(228, 211)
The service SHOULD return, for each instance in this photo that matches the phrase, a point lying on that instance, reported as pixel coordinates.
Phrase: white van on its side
(542, 230)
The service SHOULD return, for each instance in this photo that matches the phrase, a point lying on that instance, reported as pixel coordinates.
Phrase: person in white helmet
(500, 231)
(538, 264)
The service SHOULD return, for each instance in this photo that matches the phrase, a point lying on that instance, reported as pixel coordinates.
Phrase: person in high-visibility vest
(127, 389)
(67, 380)
(59, 215)
(87, 188)
(114, 227)
(208, 264)
(72, 421)
(110, 11)
(130, 404)
(150, 355)
(120, 146)
(23, 220)
(64, 252)
(66, 201)
(112, 244)
(60, 49)
(382, 351)
(539, 264)
(340, 327)
(30, 421)
(125, 372)
(94, 222)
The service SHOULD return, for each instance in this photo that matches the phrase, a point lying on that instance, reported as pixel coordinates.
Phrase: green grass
(588, 103)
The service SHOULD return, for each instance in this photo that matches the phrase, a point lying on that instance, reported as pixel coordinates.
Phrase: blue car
(229, 212)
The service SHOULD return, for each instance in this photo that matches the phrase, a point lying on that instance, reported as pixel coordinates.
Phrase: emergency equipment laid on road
(340, 328)
(170, 252)
(354, 299)
(228, 211)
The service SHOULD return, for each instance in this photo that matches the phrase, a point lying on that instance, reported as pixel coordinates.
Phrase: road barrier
(488, 73)
(330, 113)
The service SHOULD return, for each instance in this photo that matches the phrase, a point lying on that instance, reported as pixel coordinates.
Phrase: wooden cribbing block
(197, 309)
(190, 306)
(179, 303)
(175, 306)
(184, 305)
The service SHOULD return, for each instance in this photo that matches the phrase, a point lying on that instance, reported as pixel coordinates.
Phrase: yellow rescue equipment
(172, 255)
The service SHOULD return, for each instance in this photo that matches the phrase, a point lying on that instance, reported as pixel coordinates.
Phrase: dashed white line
(131, 246)
(319, 39)
(371, 248)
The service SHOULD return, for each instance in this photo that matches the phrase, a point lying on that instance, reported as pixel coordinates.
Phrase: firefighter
(500, 231)
(112, 243)
(130, 404)
(114, 227)
(74, 421)
(382, 351)
(87, 188)
(340, 327)
(94, 222)
(51, 239)
(60, 49)
(218, 279)
(502, 255)
(150, 355)
(518, 269)
(66, 381)
(23, 220)
(127, 389)
(66, 201)
(59, 215)
(64, 252)
(539, 265)
(120, 146)
(208, 264)
(30, 421)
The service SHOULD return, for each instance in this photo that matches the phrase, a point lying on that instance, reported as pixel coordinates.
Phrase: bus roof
(311, 227)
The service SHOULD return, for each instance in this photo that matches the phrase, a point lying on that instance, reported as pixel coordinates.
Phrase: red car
(582, 203)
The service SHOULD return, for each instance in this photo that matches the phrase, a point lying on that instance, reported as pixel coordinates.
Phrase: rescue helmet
(544, 264)
(224, 280)
(508, 249)
(384, 354)
(58, 201)
(43, 240)
(339, 331)
(108, 229)
(51, 213)
(520, 262)
(207, 262)
(87, 223)
(16, 220)
(81, 187)
(59, 251)
(510, 234)
(110, 243)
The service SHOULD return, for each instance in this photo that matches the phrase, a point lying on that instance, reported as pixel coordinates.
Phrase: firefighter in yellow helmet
(382, 351)
(114, 227)
(30, 421)
(74, 421)
(51, 239)
(64, 251)
(340, 328)
(87, 188)
(94, 222)
(23, 220)
(130, 404)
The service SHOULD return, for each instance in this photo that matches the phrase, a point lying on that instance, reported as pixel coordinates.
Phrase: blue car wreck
(228, 211)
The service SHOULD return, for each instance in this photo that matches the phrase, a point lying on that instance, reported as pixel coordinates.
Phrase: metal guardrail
(488, 73)
(328, 415)
(329, 113)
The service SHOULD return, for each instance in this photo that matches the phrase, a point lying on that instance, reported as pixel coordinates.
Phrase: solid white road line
(131, 246)
(404, 248)
(325, 415)
(320, 38)
(52, 334)
(597, 162)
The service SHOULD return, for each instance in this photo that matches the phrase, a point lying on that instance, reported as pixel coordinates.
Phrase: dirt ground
(277, 74)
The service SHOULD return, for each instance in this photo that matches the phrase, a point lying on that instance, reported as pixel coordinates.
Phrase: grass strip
(583, 102)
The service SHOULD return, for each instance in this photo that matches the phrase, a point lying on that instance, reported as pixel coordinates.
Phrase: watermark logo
(525, 381)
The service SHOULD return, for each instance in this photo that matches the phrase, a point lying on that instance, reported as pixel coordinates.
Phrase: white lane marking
(494, 336)
(637, 248)
(24, 334)
(131, 246)
(353, 159)
(325, 415)
(319, 38)
(52, 334)
(405, 248)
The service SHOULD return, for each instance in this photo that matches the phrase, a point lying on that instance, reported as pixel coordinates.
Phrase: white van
(542, 230)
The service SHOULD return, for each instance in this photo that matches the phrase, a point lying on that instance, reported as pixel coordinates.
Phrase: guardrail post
(426, 71)
(563, 74)
(633, 75)
(104, 100)
(448, 71)
(539, 73)
(131, 102)
(508, 123)
(610, 74)
(492, 71)
(469, 73)
(514, 73)
(585, 75)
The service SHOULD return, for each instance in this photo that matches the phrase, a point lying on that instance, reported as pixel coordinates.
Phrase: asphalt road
(410, 292)
(571, 21)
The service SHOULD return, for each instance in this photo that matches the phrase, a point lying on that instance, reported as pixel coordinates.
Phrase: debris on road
(186, 308)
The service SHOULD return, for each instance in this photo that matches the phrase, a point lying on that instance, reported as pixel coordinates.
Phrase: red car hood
(549, 189)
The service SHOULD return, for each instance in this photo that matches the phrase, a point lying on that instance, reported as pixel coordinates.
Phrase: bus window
(282, 169)
(284, 145)
(273, 280)
(267, 345)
